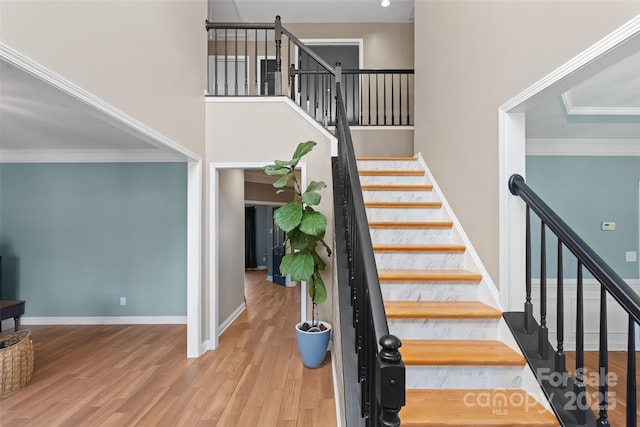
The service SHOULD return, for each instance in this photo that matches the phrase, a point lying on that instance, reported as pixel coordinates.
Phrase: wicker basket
(16, 361)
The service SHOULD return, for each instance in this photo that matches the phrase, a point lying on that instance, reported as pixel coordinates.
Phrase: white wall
(472, 56)
(243, 132)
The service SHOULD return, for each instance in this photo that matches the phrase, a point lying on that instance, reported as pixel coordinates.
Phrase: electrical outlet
(608, 226)
(123, 300)
(631, 256)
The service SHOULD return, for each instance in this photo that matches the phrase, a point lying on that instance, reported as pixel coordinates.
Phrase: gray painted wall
(76, 237)
(602, 189)
(231, 242)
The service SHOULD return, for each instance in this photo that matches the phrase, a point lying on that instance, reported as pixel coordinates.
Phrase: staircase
(463, 367)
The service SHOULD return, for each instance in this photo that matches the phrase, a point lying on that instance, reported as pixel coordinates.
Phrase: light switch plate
(631, 256)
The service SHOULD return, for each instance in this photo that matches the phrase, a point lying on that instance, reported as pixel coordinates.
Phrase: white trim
(229, 320)
(105, 320)
(284, 99)
(572, 110)
(89, 156)
(512, 150)
(194, 259)
(109, 113)
(583, 147)
(336, 391)
(486, 278)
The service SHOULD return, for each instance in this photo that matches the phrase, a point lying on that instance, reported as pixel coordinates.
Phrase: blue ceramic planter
(313, 345)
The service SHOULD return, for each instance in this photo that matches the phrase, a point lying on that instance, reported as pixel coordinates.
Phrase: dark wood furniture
(10, 309)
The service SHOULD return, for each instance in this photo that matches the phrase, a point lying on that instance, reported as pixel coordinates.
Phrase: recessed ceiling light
(385, 3)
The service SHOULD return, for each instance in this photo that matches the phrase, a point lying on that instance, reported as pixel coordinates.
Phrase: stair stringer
(487, 290)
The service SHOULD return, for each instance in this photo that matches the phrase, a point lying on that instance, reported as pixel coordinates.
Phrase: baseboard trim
(237, 312)
(105, 320)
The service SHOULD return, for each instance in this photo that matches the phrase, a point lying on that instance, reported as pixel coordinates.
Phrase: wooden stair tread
(440, 310)
(459, 353)
(404, 205)
(386, 159)
(397, 275)
(391, 172)
(411, 224)
(474, 407)
(419, 248)
(397, 187)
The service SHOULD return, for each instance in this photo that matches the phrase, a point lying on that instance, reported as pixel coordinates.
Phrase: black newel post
(390, 381)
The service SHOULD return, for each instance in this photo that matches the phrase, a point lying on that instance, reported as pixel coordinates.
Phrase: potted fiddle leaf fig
(305, 229)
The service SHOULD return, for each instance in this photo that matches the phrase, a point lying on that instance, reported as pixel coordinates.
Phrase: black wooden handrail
(615, 285)
(569, 397)
(239, 25)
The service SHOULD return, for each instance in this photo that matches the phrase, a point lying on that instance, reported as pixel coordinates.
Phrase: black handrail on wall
(569, 398)
(378, 366)
(245, 50)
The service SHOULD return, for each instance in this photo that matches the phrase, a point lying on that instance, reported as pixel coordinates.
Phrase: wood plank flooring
(139, 375)
(617, 383)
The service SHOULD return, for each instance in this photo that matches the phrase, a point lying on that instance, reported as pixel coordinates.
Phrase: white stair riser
(458, 377)
(405, 214)
(397, 196)
(432, 291)
(388, 165)
(410, 236)
(417, 260)
(449, 329)
(392, 180)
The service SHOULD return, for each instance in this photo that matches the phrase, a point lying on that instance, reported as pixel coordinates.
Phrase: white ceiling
(310, 11)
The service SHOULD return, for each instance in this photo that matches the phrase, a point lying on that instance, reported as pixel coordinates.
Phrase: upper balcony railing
(265, 59)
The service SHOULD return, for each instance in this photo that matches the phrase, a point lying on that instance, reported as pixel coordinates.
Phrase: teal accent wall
(74, 238)
(584, 192)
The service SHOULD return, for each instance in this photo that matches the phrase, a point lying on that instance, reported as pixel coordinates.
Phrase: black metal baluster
(393, 116)
(360, 106)
(369, 91)
(400, 100)
(235, 52)
(346, 92)
(384, 91)
(323, 94)
(543, 333)
(377, 98)
(265, 76)
(226, 69)
(603, 373)
(308, 83)
(353, 98)
(289, 79)
(528, 306)
(408, 103)
(215, 60)
(255, 64)
(315, 93)
(299, 78)
(580, 392)
(560, 358)
(632, 403)
(246, 62)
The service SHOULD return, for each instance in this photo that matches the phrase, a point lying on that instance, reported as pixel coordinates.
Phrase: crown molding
(574, 110)
(583, 147)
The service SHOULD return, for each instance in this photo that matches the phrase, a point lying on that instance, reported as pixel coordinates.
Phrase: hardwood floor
(139, 375)
(617, 383)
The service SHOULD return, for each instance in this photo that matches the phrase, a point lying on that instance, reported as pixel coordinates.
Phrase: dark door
(279, 250)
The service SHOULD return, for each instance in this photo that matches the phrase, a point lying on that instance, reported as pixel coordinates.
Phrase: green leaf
(320, 290)
(312, 222)
(297, 239)
(276, 170)
(287, 163)
(288, 216)
(284, 180)
(302, 149)
(298, 265)
(311, 198)
(315, 186)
